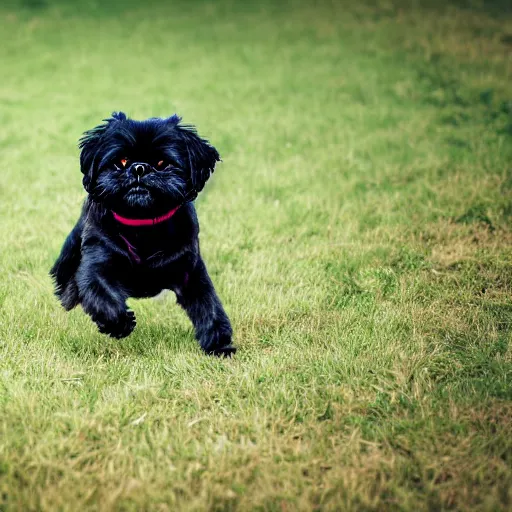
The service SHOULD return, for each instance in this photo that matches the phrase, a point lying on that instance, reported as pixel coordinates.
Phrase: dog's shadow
(161, 337)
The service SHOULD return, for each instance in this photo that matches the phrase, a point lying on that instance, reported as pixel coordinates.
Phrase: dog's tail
(64, 269)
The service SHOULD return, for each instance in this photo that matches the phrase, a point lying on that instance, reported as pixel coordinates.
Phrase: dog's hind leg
(198, 298)
(64, 269)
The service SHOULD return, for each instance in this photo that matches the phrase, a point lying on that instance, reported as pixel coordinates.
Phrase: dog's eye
(123, 161)
(164, 165)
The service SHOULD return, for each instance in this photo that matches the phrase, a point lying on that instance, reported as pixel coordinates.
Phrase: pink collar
(144, 222)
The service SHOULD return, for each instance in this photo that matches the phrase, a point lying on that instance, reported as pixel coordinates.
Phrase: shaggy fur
(141, 170)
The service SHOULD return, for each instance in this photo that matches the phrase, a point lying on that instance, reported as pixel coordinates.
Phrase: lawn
(358, 232)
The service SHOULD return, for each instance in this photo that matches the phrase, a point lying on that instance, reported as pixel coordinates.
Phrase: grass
(358, 232)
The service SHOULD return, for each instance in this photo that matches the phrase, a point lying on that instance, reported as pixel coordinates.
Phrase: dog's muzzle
(139, 169)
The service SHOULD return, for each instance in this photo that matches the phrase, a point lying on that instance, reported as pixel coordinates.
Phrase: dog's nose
(139, 169)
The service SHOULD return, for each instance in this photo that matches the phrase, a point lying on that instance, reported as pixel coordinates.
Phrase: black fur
(103, 262)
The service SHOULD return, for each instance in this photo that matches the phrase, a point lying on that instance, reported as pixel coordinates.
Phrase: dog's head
(144, 167)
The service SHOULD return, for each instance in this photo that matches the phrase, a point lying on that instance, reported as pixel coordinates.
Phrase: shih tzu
(138, 231)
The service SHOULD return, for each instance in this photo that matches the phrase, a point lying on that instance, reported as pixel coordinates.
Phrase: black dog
(138, 232)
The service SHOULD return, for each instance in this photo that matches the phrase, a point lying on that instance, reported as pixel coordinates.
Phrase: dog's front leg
(101, 295)
(198, 298)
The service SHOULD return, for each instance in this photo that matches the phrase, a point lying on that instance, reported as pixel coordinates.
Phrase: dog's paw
(227, 351)
(121, 327)
(217, 342)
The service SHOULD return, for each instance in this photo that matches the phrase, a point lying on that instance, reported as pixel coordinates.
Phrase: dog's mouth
(138, 197)
(137, 190)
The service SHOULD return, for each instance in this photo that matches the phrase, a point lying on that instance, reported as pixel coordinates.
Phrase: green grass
(358, 232)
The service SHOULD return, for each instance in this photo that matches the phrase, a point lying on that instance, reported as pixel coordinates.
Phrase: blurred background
(357, 230)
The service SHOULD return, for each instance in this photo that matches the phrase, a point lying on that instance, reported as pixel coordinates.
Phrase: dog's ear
(90, 144)
(198, 154)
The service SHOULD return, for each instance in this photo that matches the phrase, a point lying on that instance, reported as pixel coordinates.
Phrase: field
(358, 232)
